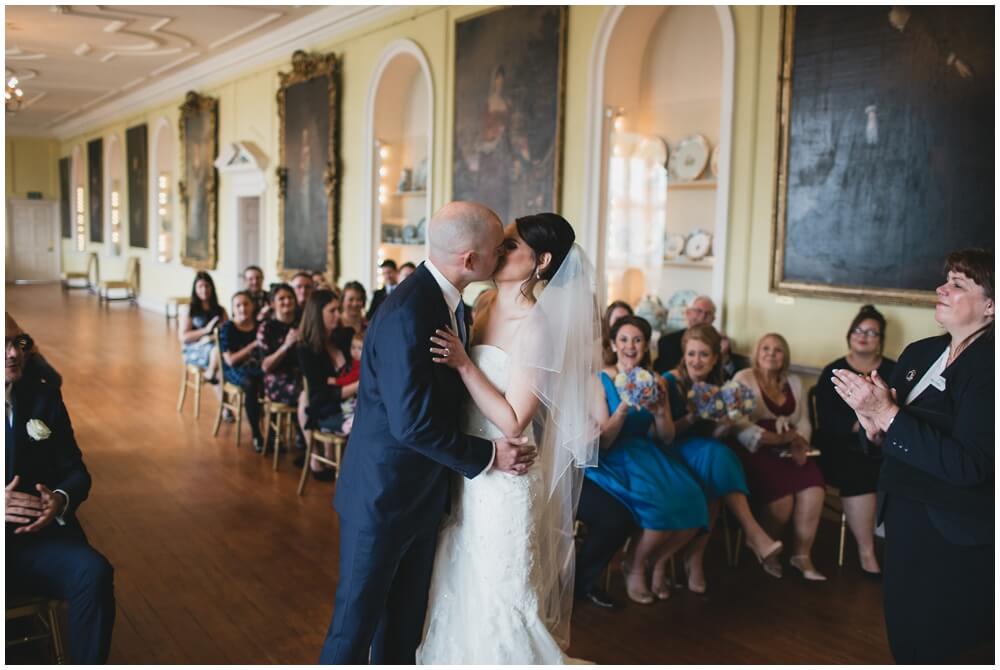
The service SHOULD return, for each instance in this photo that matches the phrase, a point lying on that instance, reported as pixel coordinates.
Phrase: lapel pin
(910, 375)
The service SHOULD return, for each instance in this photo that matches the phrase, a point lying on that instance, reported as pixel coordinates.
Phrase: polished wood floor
(218, 561)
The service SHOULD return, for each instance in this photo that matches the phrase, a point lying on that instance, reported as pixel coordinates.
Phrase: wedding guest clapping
(241, 359)
(204, 315)
(789, 486)
(276, 339)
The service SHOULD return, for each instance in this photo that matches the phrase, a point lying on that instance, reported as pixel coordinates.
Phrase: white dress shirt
(932, 377)
(452, 296)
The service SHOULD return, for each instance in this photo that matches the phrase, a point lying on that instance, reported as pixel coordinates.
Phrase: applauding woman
(776, 437)
(663, 496)
(715, 465)
(276, 339)
(935, 421)
(204, 315)
(241, 359)
(842, 461)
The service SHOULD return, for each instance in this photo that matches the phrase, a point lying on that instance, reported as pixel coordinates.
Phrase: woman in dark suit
(935, 424)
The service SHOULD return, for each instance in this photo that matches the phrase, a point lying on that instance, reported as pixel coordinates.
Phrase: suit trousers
(381, 597)
(59, 563)
(938, 595)
(608, 524)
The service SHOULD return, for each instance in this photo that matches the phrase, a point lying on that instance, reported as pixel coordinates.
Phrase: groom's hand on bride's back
(514, 455)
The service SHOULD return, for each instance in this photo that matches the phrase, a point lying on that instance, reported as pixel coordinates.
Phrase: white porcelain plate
(674, 246)
(689, 159)
(698, 245)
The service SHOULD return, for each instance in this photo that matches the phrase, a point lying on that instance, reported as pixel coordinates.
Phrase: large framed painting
(309, 166)
(885, 148)
(138, 186)
(95, 183)
(509, 74)
(65, 216)
(199, 128)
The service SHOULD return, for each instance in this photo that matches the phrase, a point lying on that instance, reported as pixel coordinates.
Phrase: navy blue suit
(393, 490)
(57, 561)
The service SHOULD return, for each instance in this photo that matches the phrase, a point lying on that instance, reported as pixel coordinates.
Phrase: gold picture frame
(309, 129)
(198, 190)
(779, 230)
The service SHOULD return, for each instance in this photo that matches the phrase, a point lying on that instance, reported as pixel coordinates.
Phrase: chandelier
(13, 96)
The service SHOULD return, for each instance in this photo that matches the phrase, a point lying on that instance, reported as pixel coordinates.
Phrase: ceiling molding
(313, 29)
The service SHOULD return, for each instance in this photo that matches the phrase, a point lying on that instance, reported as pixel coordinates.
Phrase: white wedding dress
(485, 599)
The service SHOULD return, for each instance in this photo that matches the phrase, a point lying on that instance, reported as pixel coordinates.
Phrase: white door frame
(243, 164)
(12, 240)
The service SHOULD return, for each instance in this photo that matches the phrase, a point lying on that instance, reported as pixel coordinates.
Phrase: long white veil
(559, 349)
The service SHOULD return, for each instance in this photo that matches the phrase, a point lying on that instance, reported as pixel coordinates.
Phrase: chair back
(217, 343)
(132, 273)
(93, 267)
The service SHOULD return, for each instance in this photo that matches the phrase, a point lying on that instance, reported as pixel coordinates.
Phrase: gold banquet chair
(47, 616)
(93, 268)
(233, 397)
(312, 437)
(130, 284)
(280, 418)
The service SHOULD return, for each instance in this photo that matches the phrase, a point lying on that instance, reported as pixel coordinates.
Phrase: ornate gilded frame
(305, 67)
(778, 282)
(194, 105)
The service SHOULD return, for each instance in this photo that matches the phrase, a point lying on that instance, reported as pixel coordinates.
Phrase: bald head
(465, 240)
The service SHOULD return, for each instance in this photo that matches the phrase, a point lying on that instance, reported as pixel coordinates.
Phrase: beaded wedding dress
(487, 593)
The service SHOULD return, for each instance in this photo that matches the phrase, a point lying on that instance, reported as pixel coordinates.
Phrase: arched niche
(114, 195)
(667, 72)
(78, 179)
(400, 137)
(162, 162)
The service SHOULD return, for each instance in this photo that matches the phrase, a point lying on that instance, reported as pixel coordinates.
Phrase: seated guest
(390, 279)
(47, 552)
(405, 270)
(203, 316)
(276, 339)
(789, 488)
(319, 281)
(323, 362)
(665, 499)
(352, 315)
(842, 461)
(731, 362)
(241, 359)
(253, 283)
(35, 364)
(350, 377)
(615, 311)
(669, 354)
(716, 467)
(302, 284)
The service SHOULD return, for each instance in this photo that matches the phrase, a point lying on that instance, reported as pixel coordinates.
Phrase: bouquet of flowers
(732, 401)
(638, 387)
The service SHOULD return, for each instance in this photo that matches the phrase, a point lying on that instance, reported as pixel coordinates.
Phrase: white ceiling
(79, 62)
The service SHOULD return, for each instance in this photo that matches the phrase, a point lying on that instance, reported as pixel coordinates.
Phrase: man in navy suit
(46, 481)
(393, 492)
(390, 280)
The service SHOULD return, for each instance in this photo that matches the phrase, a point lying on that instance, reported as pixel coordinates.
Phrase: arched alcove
(78, 205)
(114, 194)
(400, 138)
(162, 162)
(660, 72)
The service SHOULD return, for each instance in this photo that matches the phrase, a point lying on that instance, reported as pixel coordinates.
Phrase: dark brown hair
(644, 328)
(314, 335)
(864, 314)
(546, 232)
(978, 265)
(708, 335)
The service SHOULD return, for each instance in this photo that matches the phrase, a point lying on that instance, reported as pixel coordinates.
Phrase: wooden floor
(218, 561)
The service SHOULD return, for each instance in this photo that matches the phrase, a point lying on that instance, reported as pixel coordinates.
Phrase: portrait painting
(95, 184)
(198, 190)
(885, 159)
(307, 106)
(509, 67)
(138, 186)
(65, 215)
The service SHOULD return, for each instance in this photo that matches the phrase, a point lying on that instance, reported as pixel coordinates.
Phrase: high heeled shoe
(804, 565)
(644, 597)
(768, 560)
(694, 587)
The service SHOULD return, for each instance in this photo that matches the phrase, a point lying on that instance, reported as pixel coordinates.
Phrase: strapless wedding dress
(484, 598)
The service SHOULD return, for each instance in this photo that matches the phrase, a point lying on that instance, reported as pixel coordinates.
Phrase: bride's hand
(448, 349)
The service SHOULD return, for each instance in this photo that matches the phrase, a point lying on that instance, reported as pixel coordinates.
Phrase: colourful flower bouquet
(732, 401)
(638, 387)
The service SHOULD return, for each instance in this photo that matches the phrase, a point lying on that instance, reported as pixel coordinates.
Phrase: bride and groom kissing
(485, 558)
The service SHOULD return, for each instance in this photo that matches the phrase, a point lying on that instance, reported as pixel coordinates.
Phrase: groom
(393, 491)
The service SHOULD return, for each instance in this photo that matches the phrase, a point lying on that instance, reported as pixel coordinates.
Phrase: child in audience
(352, 376)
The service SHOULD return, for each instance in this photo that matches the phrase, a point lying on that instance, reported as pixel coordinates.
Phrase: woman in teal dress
(714, 464)
(663, 496)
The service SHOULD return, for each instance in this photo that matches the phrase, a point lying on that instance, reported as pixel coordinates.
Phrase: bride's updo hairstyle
(549, 233)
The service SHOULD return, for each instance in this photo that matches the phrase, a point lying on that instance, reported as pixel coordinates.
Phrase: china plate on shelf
(674, 246)
(688, 160)
(410, 234)
(713, 164)
(698, 245)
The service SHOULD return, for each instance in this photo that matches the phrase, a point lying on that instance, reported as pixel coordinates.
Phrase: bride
(502, 587)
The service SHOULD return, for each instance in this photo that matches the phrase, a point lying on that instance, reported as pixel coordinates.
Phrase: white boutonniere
(37, 430)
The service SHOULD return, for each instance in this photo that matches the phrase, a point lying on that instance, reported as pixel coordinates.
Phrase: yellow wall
(31, 165)
(248, 111)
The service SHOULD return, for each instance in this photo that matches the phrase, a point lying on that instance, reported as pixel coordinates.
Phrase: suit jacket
(377, 299)
(405, 437)
(56, 461)
(668, 351)
(939, 449)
